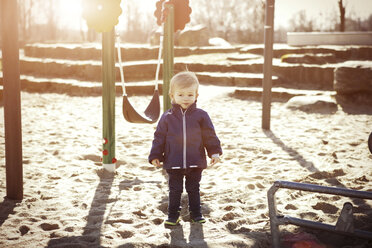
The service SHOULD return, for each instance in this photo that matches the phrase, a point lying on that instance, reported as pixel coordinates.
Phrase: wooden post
(267, 68)
(12, 100)
(168, 45)
(108, 99)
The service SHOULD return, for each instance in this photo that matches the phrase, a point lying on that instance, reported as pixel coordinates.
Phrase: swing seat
(151, 114)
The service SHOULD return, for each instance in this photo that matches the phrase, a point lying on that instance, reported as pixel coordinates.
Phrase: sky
(284, 9)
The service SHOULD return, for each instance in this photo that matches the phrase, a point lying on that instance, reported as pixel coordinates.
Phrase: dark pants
(175, 182)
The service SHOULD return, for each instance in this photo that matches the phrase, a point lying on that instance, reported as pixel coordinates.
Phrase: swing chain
(118, 44)
(120, 63)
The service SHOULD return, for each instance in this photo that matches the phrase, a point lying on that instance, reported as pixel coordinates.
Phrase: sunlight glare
(70, 13)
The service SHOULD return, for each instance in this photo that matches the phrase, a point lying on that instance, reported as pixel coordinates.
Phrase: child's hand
(215, 159)
(156, 163)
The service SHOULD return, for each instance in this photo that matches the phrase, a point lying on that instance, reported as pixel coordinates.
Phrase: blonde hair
(183, 80)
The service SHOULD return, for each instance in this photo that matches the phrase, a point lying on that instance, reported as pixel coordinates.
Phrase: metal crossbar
(276, 220)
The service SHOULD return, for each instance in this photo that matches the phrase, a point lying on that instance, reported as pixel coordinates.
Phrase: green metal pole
(12, 100)
(168, 45)
(108, 99)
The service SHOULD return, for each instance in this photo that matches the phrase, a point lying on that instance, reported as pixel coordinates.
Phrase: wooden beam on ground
(12, 100)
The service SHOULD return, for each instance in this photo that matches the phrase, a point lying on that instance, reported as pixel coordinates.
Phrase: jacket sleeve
(158, 144)
(210, 139)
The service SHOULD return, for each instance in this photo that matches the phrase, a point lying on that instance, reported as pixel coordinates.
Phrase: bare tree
(258, 20)
(300, 23)
(341, 7)
(138, 23)
(233, 20)
(37, 20)
(51, 8)
(25, 24)
(369, 23)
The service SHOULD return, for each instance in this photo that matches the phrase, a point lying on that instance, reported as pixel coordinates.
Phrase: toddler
(183, 134)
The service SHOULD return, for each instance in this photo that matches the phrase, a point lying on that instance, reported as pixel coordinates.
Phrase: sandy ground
(69, 201)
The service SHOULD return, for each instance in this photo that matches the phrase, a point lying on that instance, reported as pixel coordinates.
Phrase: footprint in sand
(258, 185)
(54, 177)
(157, 221)
(251, 186)
(31, 200)
(229, 208)
(49, 226)
(24, 229)
(26, 161)
(23, 214)
(124, 221)
(230, 216)
(291, 206)
(325, 208)
(125, 234)
(33, 219)
(354, 143)
(233, 225)
(266, 151)
(69, 229)
(140, 214)
(309, 215)
(137, 188)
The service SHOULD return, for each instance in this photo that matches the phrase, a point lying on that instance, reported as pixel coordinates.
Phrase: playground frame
(12, 100)
(268, 63)
(276, 220)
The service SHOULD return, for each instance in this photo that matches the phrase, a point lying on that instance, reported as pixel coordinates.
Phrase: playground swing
(152, 112)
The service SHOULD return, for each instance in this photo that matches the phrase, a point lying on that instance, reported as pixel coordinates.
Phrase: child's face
(184, 96)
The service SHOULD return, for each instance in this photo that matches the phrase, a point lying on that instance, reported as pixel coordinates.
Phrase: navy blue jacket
(182, 136)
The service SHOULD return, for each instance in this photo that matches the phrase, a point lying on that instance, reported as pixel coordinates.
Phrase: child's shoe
(198, 219)
(173, 218)
(172, 221)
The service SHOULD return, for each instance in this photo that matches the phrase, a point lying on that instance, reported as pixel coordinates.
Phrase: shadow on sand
(7, 208)
(360, 206)
(91, 236)
(196, 237)
(292, 152)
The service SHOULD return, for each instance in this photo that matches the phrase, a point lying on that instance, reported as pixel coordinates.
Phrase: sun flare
(70, 12)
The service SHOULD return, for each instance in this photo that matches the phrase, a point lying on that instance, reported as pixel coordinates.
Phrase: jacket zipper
(184, 137)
